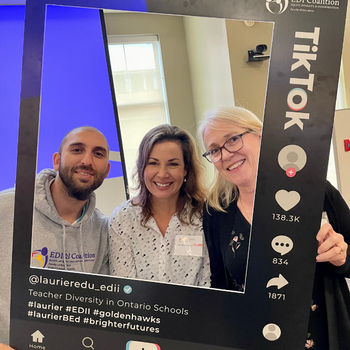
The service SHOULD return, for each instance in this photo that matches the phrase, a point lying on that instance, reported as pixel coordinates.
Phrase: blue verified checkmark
(127, 289)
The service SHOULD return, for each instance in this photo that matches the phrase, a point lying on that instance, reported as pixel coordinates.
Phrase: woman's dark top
(237, 251)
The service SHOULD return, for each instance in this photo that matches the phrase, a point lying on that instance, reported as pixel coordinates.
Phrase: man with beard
(69, 233)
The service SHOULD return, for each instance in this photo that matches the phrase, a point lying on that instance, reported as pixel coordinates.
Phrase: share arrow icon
(279, 282)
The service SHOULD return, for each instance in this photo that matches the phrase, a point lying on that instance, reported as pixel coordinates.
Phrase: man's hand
(5, 347)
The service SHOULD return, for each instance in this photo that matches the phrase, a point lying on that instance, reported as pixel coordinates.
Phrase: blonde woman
(232, 139)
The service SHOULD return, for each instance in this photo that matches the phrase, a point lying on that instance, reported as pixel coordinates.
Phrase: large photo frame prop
(85, 311)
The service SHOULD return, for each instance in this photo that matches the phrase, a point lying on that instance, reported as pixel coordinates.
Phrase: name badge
(188, 245)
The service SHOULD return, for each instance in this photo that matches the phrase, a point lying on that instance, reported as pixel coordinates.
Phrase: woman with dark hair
(232, 139)
(158, 235)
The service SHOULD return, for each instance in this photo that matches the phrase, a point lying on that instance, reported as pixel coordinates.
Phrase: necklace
(245, 214)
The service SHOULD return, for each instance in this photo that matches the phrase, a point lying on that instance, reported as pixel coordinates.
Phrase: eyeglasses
(232, 145)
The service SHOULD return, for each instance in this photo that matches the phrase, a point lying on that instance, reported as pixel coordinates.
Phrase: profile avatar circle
(292, 159)
(271, 332)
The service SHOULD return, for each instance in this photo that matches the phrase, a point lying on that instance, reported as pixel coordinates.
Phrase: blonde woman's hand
(331, 246)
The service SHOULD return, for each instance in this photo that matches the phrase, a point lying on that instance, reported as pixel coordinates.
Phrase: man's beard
(73, 187)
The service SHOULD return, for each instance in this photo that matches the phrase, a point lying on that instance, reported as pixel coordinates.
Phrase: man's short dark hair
(80, 128)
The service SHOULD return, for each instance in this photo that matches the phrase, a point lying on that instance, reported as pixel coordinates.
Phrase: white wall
(210, 69)
(341, 132)
(209, 63)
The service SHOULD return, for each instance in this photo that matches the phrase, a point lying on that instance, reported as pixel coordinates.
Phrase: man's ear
(56, 160)
(108, 169)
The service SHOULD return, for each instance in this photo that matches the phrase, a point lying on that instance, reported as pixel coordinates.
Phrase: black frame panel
(213, 318)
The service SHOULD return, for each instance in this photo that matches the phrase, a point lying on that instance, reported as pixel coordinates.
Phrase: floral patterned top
(144, 253)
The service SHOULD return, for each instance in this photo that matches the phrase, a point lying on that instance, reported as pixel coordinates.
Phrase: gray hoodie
(56, 244)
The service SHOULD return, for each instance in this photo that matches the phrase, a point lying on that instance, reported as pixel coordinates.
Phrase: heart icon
(287, 200)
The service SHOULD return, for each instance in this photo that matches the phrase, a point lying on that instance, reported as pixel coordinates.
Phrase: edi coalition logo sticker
(276, 7)
(41, 255)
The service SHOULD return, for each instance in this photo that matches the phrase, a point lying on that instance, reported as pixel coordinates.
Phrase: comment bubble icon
(282, 244)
